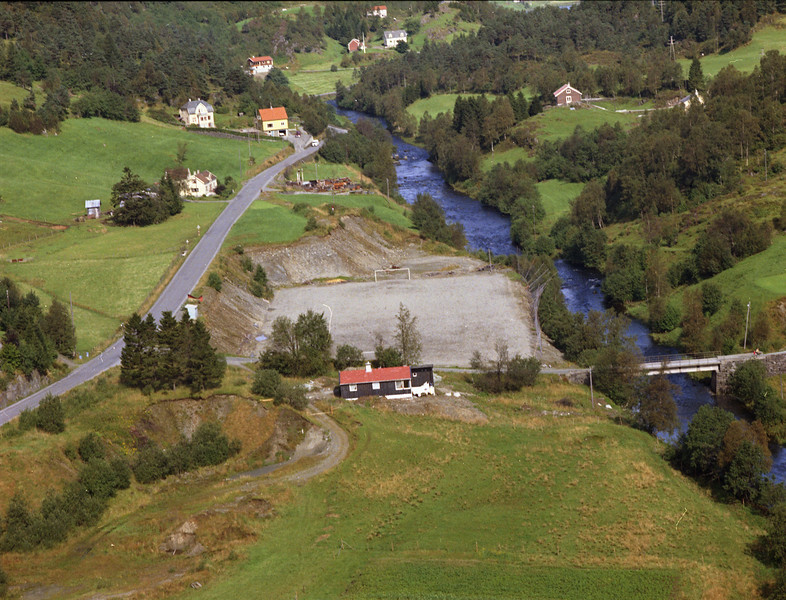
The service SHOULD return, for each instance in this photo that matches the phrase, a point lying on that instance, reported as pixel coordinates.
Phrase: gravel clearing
(456, 314)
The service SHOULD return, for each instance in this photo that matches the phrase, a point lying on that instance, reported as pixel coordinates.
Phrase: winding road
(182, 283)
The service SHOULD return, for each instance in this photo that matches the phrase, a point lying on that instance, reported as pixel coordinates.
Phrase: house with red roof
(378, 11)
(355, 44)
(391, 382)
(274, 121)
(259, 65)
(567, 94)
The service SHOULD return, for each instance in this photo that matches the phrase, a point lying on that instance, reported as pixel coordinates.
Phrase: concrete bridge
(721, 366)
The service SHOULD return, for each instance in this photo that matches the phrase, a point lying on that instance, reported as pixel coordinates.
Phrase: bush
(151, 464)
(50, 416)
(247, 263)
(663, 316)
(711, 298)
(27, 420)
(210, 446)
(99, 479)
(348, 356)
(266, 382)
(90, 447)
(293, 395)
(311, 224)
(522, 372)
(214, 281)
(3, 584)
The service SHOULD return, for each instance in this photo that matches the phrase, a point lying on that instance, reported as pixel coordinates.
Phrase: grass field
(556, 196)
(324, 170)
(511, 156)
(48, 178)
(389, 212)
(108, 272)
(530, 504)
(266, 223)
(525, 507)
(444, 27)
(770, 37)
(9, 92)
(559, 122)
(319, 82)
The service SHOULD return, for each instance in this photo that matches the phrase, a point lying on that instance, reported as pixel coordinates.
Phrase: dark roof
(395, 33)
(191, 106)
(374, 375)
(178, 173)
(564, 87)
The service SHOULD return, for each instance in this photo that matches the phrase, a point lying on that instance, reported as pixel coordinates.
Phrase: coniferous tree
(203, 368)
(695, 76)
(58, 326)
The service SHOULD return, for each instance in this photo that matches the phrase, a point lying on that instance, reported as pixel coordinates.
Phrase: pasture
(559, 122)
(745, 58)
(556, 196)
(319, 82)
(48, 178)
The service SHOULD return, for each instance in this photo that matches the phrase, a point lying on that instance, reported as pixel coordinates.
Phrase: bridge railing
(667, 358)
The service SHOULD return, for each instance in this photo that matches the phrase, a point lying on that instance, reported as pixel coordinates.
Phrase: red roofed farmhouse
(391, 382)
(258, 65)
(567, 95)
(274, 120)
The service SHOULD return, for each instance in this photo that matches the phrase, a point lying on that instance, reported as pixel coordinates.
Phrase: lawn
(318, 61)
(324, 170)
(559, 122)
(108, 272)
(444, 103)
(48, 178)
(511, 156)
(9, 92)
(745, 58)
(556, 196)
(624, 104)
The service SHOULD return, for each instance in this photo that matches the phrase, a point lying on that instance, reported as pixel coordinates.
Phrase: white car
(315, 142)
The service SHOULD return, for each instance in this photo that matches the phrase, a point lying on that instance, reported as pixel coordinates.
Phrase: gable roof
(177, 174)
(395, 33)
(191, 106)
(374, 375)
(205, 176)
(92, 203)
(564, 87)
(279, 113)
(259, 59)
(380, 7)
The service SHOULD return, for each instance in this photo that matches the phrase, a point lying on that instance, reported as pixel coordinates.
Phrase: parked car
(315, 142)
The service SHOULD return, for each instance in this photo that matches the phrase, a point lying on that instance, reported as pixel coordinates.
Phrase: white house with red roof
(259, 65)
(567, 94)
(391, 382)
(199, 183)
(378, 11)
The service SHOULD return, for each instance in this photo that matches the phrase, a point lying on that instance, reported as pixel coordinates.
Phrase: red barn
(567, 94)
(355, 44)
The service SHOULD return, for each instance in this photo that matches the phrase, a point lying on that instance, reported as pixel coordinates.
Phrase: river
(488, 229)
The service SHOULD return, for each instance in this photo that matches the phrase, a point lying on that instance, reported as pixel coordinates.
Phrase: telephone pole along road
(182, 283)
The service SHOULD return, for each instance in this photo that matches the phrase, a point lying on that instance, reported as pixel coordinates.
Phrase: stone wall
(22, 387)
(775, 364)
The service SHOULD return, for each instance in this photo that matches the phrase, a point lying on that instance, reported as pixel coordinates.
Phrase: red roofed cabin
(567, 95)
(274, 120)
(258, 65)
(378, 11)
(355, 44)
(391, 382)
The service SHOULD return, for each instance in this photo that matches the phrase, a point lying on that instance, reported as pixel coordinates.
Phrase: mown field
(9, 92)
(556, 196)
(559, 122)
(107, 271)
(319, 82)
(745, 58)
(543, 501)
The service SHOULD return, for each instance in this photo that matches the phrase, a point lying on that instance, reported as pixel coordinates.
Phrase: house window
(353, 387)
(375, 385)
(400, 385)
(568, 99)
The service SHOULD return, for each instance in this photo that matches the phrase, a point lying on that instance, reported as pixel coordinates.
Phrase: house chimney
(368, 367)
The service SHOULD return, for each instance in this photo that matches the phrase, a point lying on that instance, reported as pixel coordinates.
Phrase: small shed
(93, 208)
(423, 380)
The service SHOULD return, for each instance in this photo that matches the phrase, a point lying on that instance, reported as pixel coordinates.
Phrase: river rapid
(488, 229)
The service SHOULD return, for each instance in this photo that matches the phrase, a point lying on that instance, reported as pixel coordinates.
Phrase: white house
(201, 183)
(392, 38)
(197, 112)
(259, 65)
(93, 208)
(378, 11)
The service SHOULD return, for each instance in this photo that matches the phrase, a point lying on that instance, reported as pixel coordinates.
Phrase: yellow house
(274, 120)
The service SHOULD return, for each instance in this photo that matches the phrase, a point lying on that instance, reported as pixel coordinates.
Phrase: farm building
(378, 11)
(392, 38)
(201, 183)
(197, 112)
(93, 208)
(274, 120)
(355, 44)
(259, 65)
(391, 382)
(567, 95)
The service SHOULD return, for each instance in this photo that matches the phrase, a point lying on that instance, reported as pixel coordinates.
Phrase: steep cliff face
(21, 387)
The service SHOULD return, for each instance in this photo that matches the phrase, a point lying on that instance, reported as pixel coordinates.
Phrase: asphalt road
(183, 282)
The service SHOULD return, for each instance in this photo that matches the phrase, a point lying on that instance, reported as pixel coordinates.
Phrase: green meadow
(48, 178)
(556, 196)
(387, 210)
(526, 506)
(443, 27)
(266, 223)
(559, 122)
(319, 82)
(438, 103)
(511, 156)
(745, 58)
(9, 92)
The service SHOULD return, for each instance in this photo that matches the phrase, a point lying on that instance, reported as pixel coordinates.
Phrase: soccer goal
(396, 273)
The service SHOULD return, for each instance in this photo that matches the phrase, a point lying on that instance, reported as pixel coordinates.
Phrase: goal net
(396, 273)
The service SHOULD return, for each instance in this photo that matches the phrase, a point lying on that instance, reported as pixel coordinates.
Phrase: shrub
(711, 298)
(3, 584)
(247, 263)
(151, 464)
(210, 446)
(50, 416)
(27, 420)
(311, 224)
(19, 525)
(266, 382)
(348, 356)
(522, 372)
(90, 447)
(99, 479)
(663, 316)
(293, 395)
(214, 281)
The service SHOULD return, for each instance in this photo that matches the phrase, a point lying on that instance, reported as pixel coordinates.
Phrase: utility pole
(71, 300)
(592, 393)
(671, 48)
(240, 162)
(661, 10)
(765, 164)
(747, 318)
